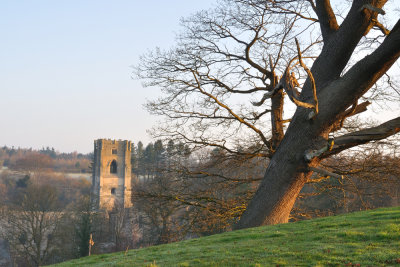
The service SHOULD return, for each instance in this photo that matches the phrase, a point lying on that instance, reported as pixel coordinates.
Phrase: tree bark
(276, 119)
(284, 178)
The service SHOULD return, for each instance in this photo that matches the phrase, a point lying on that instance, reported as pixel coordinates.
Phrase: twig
(326, 173)
(314, 88)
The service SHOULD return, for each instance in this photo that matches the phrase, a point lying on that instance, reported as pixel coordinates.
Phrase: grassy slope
(370, 238)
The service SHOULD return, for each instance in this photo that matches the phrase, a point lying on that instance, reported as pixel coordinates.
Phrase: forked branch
(289, 83)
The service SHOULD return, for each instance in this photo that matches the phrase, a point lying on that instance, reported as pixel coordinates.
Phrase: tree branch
(311, 77)
(338, 50)
(373, 9)
(230, 111)
(250, 61)
(361, 137)
(381, 27)
(325, 172)
(380, 132)
(327, 18)
(354, 110)
(361, 77)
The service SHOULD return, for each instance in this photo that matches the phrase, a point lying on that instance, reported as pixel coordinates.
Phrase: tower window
(112, 191)
(114, 152)
(113, 166)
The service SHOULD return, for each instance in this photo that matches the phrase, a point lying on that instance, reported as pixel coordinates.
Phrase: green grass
(370, 238)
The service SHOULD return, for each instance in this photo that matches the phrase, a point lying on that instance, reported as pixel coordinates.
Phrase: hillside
(369, 238)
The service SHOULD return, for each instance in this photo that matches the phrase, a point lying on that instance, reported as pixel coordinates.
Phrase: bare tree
(121, 226)
(31, 225)
(157, 209)
(225, 86)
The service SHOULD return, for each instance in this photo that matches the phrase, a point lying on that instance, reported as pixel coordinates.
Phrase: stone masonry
(111, 184)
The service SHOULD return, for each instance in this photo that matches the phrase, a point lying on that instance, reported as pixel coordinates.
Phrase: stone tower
(111, 181)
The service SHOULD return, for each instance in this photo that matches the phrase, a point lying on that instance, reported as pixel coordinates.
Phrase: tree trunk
(289, 169)
(285, 177)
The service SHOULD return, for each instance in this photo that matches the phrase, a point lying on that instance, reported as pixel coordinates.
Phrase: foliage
(369, 238)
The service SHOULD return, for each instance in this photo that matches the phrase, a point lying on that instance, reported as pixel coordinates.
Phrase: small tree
(32, 223)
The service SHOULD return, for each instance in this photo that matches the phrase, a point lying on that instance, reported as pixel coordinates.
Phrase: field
(369, 238)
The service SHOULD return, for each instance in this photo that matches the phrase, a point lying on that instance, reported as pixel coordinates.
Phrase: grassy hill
(369, 238)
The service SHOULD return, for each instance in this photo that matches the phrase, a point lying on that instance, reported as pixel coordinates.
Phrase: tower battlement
(111, 180)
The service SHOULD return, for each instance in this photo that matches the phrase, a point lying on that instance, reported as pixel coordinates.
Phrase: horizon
(38, 149)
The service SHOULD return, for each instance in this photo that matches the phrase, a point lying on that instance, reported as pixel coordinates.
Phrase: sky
(66, 68)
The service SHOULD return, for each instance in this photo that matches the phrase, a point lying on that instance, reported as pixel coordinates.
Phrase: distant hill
(368, 238)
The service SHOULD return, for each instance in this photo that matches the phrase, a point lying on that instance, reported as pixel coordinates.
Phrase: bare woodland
(237, 70)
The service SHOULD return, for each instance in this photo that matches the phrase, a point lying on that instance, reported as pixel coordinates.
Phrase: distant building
(111, 183)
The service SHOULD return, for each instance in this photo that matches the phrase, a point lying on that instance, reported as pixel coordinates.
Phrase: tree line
(25, 158)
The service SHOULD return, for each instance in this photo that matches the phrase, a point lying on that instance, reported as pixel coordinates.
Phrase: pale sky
(65, 68)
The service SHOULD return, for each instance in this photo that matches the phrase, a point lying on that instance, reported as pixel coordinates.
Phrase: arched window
(112, 191)
(113, 166)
